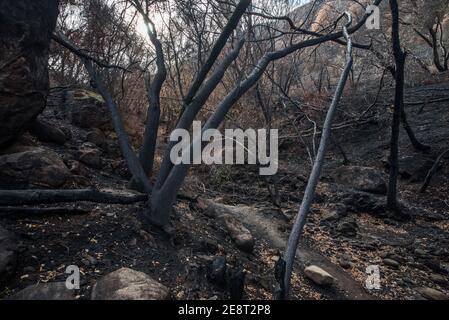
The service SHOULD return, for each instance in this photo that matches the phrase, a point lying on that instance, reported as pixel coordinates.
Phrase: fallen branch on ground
(432, 172)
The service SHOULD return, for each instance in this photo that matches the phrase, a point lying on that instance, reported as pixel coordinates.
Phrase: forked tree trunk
(171, 177)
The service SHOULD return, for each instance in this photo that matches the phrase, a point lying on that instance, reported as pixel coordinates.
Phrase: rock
(25, 36)
(128, 284)
(439, 279)
(239, 233)
(348, 228)
(319, 276)
(362, 178)
(216, 272)
(414, 168)
(345, 261)
(362, 202)
(90, 113)
(9, 247)
(330, 216)
(77, 168)
(45, 291)
(47, 132)
(29, 269)
(237, 285)
(391, 263)
(432, 294)
(97, 137)
(37, 167)
(433, 264)
(90, 156)
(421, 252)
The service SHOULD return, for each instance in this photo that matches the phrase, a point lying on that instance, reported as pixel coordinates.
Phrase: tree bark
(307, 201)
(154, 87)
(399, 57)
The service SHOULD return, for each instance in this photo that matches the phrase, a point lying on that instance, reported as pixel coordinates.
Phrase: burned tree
(399, 57)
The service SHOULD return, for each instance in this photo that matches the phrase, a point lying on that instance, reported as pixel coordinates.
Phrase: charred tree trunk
(154, 87)
(399, 57)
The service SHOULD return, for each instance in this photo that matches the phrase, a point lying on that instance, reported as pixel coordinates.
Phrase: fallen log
(31, 197)
(33, 212)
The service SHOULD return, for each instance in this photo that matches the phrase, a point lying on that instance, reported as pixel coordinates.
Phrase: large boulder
(47, 132)
(362, 178)
(128, 284)
(9, 246)
(25, 36)
(35, 167)
(45, 291)
(88, 112)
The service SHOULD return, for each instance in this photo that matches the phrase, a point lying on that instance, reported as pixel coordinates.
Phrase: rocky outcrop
(25, 35)
(128, 284)
(33, 168)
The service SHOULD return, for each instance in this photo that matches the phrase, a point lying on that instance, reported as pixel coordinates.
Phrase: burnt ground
(112, 236)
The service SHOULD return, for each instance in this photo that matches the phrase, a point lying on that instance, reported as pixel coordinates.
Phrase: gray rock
(319, 276)
(217, 271)
(432, 294)
(25, 37)
(345, 261)
(45, 291)
(89, 113)
(439, 279)
(391, 263)
(421, 252)
(97, 137)
(9, 247)
(36, 167)
(90, 156)
(47, 132)
(128, 284)
(348, 228)
(362, 178)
